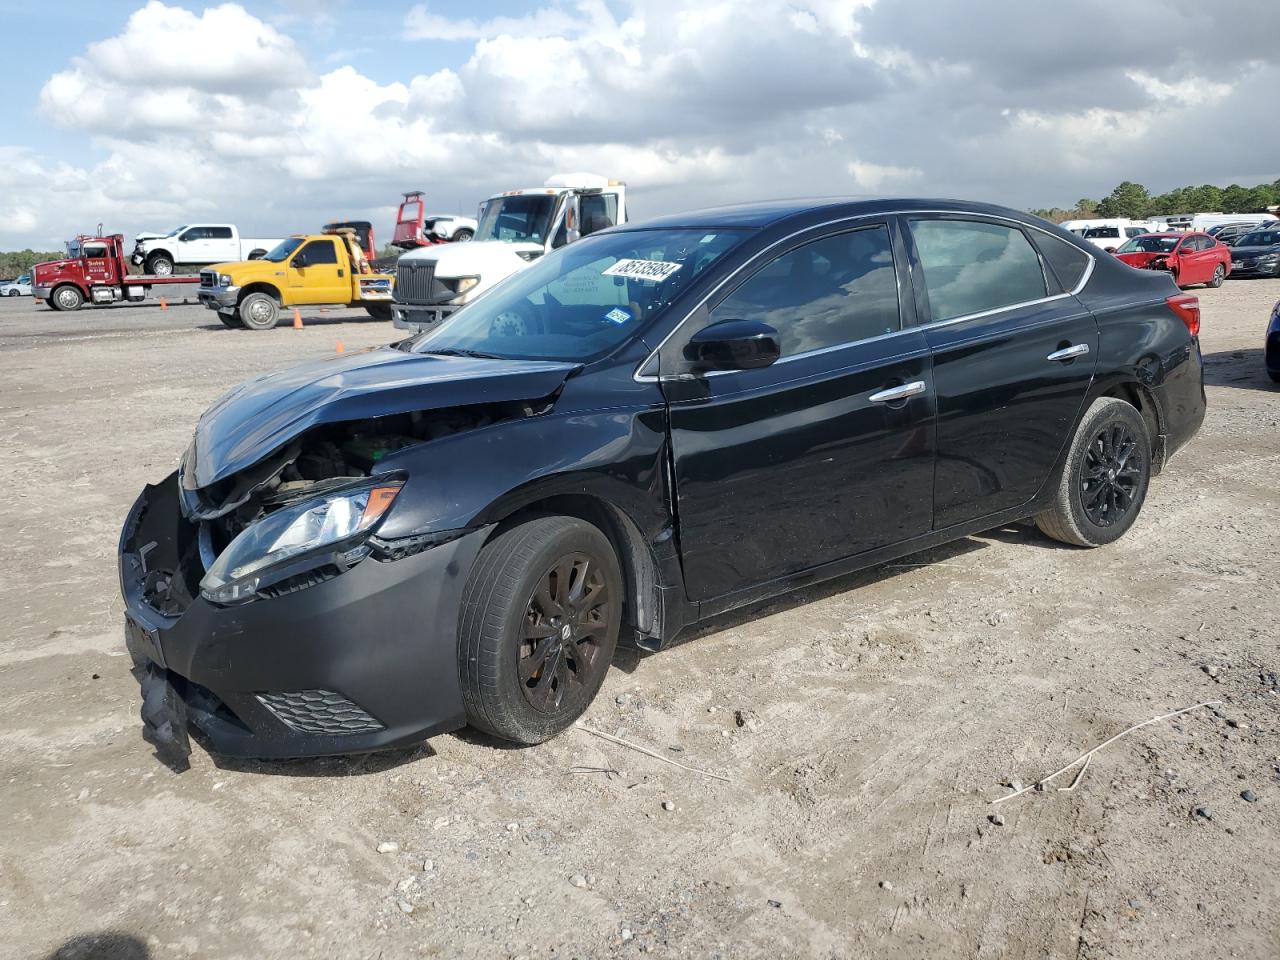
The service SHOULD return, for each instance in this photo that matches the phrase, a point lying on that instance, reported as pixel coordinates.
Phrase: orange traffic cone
(297, 319)
(340, 348)
(163, 305)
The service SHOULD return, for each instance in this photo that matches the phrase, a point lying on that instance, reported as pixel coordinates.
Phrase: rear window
(1066, 260)
(972, 266)
(1102, 233)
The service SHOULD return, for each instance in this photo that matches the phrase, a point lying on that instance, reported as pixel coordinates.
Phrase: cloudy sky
(280, 114)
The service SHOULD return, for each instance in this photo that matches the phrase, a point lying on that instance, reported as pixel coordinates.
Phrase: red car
(1190, 257)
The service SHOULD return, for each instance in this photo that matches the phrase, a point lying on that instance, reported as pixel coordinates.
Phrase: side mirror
(573, 218)
(734, 345)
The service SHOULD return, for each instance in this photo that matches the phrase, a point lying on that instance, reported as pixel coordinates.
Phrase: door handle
(891, 394)
(1069, 353)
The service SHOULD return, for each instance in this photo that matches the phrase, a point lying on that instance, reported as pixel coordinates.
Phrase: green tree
(1129, 199)
(14, 263)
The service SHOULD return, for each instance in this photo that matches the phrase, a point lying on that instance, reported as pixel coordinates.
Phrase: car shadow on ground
(105, 945)
(351, 765)
(1240, 369)
(308, 320)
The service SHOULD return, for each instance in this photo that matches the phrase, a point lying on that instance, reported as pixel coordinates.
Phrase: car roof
(767, 213)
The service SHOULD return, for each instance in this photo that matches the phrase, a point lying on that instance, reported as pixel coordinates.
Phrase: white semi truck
(514, 228)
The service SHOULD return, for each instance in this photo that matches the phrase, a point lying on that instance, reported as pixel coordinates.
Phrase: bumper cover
(408, 316)
(363, 661)
(42, 293)
(219, 298)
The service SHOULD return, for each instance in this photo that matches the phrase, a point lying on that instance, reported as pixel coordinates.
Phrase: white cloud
(219, 113)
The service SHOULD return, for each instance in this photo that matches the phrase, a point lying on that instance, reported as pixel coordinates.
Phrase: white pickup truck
(197, 245)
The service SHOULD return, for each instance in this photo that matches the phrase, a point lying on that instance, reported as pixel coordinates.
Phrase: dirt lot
(865, 726)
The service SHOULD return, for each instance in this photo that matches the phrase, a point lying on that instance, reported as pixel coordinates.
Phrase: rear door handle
(1069, 353)
(898, 393)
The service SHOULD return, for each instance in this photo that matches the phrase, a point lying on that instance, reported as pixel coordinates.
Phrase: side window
(1066, 260)
(972, 267)
(195, 233)
(316, 252)
(828, 292)
(219, 233)
(599, 211)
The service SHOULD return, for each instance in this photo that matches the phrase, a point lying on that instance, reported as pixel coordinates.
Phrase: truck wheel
(463, 235)
(66, 297)
(257, 253)
(379, 311)
(540, 620)
(160, 265)
(259, 312)
(231, 321)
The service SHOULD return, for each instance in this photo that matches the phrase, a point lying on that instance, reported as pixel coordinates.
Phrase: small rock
(621, 699)
(668, 805)
(1210, 669)
(579, 881)
(512, 827)
(408, 883)
(1249, 796)
(886, 885)
(439, 823)
(776, 904)
(997, 820)
(405, 906)
(626, 934)
(428, 866)
(96, 676)
(83, 795)
(1202, 811)
(388, 846)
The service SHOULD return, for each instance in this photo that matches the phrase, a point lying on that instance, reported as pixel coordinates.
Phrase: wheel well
(266, 288)
(1140, 398)
(642, 610)
(157, 253)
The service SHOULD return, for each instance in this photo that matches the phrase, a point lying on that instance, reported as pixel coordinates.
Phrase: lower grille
(208, 278)
(320, 712)
(416, 283)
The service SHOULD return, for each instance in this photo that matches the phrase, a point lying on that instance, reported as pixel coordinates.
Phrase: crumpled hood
(149, 236)
(261, 416)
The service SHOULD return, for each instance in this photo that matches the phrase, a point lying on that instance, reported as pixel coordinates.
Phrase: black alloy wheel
(1112, 475)
(566, 622)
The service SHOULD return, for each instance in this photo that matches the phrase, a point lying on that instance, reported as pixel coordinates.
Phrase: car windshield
(1149, 244)
(176, 230)
(582, 301)
(517, 219)
(1259, 238)
(283, 250)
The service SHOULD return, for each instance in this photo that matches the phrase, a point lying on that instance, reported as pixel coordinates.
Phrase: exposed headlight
(298, 538)
(224, 279)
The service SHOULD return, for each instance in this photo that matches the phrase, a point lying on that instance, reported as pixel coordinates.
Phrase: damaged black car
(644, 429)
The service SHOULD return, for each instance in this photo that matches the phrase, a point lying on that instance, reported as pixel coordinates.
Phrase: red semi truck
(96, 270)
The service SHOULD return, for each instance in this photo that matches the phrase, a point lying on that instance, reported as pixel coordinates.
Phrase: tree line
(15, 263)
(1134, 201)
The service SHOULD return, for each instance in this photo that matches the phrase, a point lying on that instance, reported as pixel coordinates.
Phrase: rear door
(222, 246)
(828, 452)
(318, 273)
(1013, 357)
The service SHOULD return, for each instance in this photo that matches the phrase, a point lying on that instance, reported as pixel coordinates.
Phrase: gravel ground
(864, 726)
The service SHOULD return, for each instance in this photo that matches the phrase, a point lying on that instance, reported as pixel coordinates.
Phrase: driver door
(828, 452)
(318, 275)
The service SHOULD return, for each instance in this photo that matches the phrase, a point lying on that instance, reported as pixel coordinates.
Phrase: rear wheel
(66, 298)
(379, 311)
(160, 265)
(1104, 480)
(539, 625)
(12, 293)
(259, 312)
(1219, 275)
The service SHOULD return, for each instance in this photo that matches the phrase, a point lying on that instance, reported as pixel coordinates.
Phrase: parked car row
(19, 287)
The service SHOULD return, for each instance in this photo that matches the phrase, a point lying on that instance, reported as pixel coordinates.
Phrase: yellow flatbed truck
(324, 269)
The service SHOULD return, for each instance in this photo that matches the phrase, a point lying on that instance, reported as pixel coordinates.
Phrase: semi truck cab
(514, 228)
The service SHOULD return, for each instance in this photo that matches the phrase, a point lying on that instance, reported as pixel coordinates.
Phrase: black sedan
(1257, 254)
(647, 428)
(1272, 345)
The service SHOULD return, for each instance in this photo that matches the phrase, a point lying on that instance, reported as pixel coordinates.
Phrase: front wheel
(379, 311)
(259, 312)
(1104, 480)
(12, 293)
(66, 298)
(539, 624)
(160, 265)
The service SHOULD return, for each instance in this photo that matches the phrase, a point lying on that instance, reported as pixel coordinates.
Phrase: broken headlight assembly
(321, 531)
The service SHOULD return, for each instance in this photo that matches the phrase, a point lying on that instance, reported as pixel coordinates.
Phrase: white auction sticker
(655, 270)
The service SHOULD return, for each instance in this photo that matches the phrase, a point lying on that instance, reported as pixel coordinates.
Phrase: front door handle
(1069, 353)
(898, 393)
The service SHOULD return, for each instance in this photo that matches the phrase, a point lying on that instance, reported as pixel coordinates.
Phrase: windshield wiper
(458, 352)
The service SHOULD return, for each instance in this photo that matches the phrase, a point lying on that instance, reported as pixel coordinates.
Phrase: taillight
(1186, 306)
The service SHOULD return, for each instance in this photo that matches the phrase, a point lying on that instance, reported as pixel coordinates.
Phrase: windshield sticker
(617, 315)
(652, 270)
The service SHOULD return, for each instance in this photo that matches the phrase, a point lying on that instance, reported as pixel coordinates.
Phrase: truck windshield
(176, 230)
(582, 301)
(283, 250)
(517, 219)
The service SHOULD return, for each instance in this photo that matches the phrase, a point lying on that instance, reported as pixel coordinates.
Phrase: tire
(526, 673)
(462, 235)
(1107, 430)
(160, 265)
(379, 311)
(67, 297)
(258, 311)
(257, 253)
(13, 293)
(231, 321)
(1219, 275)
